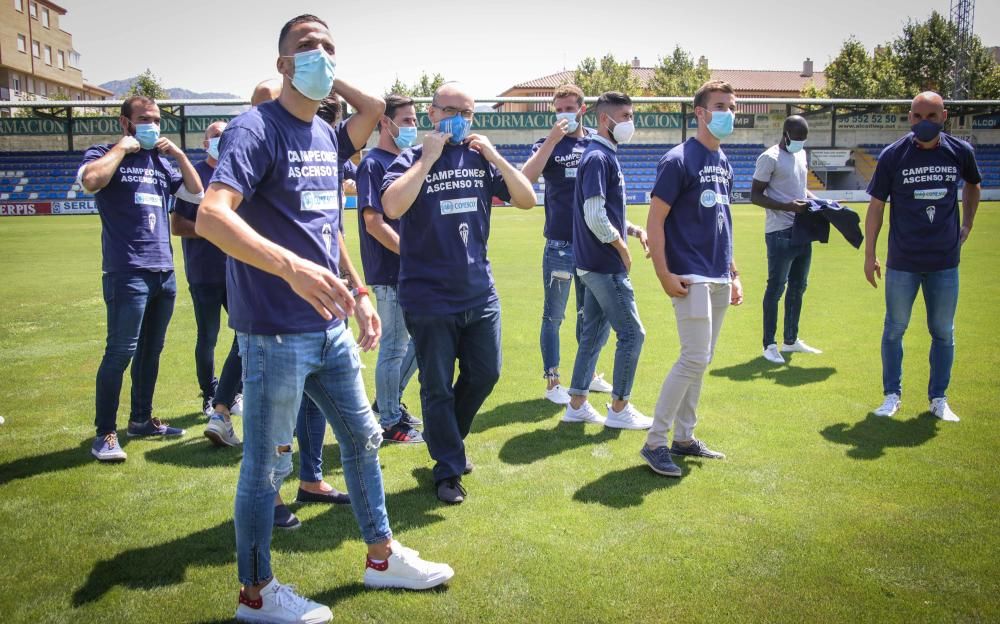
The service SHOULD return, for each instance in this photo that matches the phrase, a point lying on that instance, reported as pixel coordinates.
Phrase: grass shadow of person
(759, 368)
(535, 445)
(628, 487)
(527, 411)
(196, 453)
(869, 438)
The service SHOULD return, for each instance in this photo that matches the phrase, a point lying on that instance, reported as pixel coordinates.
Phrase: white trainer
(220, 431)
(939, 407)
(799, 347)
(237, 407)
(585, 413)
(889, 406)
(628, 418)
(598, 384)
(771, 354)
(558, 395)
(404, 569)
(280, 604)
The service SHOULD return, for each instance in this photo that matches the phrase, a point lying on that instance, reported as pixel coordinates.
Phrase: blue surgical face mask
(926, 130)
(722, 124)
(314, 73)
(213, 147)
(405, 137)
(458, 126)
(571, 118)
(147, 134)
(795, 146)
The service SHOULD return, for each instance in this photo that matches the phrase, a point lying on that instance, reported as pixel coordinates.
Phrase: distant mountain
(121, 87)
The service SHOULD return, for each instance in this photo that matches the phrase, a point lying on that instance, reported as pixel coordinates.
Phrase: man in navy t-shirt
(602, 262)
(274, 207)
(132, 182)
(691, 242)
(556, 158)
(379, 239)
(442, 193)
(919, 175)
(205, 265)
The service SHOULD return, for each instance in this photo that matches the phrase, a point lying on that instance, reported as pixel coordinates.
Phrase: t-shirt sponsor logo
(710, 198)
(319, 200)
(148, 199)
(456, 206)
(930, 193)
(570, 172)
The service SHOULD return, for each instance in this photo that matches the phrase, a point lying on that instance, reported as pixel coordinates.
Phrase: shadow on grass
(759, 368)
(871, 436)
(528, 411)
(628, 487)
(167, 563)
(533, 446)
(196, 452)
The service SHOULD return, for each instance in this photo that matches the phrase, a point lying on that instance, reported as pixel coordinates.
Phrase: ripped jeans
(277, 370)
(558, 277)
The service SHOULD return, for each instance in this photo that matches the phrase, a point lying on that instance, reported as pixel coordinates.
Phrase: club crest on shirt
(721, 219)
(930, 210)
(327, 233)
(151, 218)
(463, 232)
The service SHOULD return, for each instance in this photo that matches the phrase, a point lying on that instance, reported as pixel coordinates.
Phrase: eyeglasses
(451, 111)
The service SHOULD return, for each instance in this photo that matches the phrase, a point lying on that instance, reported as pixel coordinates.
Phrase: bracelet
(734, 275)
(359, 291)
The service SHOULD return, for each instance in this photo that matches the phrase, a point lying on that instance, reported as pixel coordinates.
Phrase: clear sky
(230, 45)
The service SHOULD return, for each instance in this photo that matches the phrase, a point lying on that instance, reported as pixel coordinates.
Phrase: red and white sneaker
(404, 569)
(279, 604)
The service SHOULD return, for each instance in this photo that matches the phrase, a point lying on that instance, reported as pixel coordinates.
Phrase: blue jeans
(940, 298)
(608, 298)
(473, 338)
(786, 263)
(277, 370)
(139, 306)
(209, 300)
(558, 271)
(397, 357)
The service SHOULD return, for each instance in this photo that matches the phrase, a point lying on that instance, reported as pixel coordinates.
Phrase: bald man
(442, 192)
(919, 176)
(205, 266)
(779, 187)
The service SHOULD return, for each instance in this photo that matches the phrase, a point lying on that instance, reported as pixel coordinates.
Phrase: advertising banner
(24, 208)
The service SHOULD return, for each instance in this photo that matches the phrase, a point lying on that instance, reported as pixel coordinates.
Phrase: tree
(925, 54)
(678, 75)
(147, 84)
(609, 75)
(424, 87)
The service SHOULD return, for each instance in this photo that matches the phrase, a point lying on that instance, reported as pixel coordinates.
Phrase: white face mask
(571, 118)
(623, 131)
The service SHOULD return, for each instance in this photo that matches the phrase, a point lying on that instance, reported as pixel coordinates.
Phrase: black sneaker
(696, 448)
(401, 433)
(469, 466)
(451, 491)
(409, 418)
(285, 519)
(333, 497)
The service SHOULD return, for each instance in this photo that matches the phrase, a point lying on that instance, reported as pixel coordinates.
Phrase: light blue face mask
(571, 118)
(314, 73)
(795, 146)
(722, 124)
(213, 147)
(458, 126)
(147, 134)
(406, 136)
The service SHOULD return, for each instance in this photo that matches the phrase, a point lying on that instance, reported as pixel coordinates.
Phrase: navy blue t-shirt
(286, 170)
(560, 183)
(697, 183)
(598, 173)
(204, 263)
(135, 233)
(443, 268)
(922, 188)
(380, 263)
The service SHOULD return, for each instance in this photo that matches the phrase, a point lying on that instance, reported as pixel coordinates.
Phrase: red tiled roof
(741, 79)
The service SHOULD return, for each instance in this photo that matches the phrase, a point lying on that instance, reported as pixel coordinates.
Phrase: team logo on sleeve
(930, 210)
(327, 233)
(151, 218)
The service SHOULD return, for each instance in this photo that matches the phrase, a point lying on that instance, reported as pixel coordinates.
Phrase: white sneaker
(558, 395)
(799, 347)
(889, 406)
(220, 431)
(405, 570)
(585, 413)
(597, 384)
(237, 407)
(771, 354)
(280, 604)
(939, 407)
(628, 418)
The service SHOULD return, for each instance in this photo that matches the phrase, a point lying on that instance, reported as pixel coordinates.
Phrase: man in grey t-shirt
(779, 186)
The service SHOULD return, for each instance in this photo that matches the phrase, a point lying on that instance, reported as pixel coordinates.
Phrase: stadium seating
(987, 155)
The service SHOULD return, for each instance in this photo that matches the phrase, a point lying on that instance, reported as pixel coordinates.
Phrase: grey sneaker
(696, 448)
(220, 431)
(660, 462)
